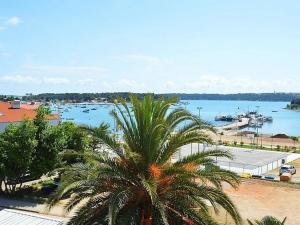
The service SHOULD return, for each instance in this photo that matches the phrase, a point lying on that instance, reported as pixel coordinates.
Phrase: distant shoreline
(297, 110)
(110, 96)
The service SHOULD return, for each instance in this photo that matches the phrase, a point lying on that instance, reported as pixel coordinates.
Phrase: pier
(238, 124)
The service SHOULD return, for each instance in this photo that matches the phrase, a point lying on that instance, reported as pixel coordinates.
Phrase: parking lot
(295, 177)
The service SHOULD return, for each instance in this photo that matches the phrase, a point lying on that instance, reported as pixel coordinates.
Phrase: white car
(287, 169)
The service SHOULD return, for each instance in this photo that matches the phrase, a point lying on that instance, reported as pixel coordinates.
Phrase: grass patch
(43, 183)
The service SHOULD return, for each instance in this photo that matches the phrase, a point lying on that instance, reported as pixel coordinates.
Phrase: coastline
(296, 110)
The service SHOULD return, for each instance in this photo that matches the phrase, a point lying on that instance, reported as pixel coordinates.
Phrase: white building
(15, 112)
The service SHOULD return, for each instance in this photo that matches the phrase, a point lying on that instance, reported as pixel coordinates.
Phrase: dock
(237, 124)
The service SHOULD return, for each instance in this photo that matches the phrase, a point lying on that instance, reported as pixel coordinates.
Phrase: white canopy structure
(15, 217)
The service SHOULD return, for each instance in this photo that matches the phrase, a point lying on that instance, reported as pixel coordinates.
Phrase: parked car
(287, 169)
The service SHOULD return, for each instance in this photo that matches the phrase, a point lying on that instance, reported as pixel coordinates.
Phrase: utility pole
(115, 122)
(272, 141)
(199, 108)
(261, 145)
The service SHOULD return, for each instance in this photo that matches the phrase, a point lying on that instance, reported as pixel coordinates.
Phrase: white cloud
(123, 84)
(141, 58)
(222, 84)
(10, 22)
(24, 79)
(66, 70)
(84, 82)
(13, 21)
(127, 83)
(18, 79)
(144, 63)
(50, 77)
(55, 80)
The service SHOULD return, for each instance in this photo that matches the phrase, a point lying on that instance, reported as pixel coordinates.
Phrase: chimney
(16, 104)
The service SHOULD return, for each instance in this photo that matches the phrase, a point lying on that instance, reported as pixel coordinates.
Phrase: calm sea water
(284, 121)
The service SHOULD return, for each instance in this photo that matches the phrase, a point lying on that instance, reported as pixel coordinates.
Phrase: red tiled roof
(30, 107)
(280, 136)
(8, 115)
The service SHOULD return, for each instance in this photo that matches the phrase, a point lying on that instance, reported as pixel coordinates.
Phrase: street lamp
(199, 108)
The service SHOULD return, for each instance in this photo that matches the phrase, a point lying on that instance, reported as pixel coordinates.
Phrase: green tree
(50, 141)
(295, 139)
(46, 157)
(77, 141)
(53, 140)
(77, 138)
(17, 146)
(137, 181)
(268, 220)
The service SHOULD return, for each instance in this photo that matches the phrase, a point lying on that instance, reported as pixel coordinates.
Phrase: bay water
(284, 121)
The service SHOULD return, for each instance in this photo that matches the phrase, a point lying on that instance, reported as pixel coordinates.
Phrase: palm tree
(295, 139)
(138, 181)
(99, 135)
(268, 220)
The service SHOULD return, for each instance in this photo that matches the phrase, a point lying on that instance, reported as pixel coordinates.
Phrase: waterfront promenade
(244, 122)
(265, 140)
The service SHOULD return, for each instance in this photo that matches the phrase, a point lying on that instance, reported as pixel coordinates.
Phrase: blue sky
(149, 46)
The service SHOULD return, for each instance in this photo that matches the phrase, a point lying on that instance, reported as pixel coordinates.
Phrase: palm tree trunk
(146, 220)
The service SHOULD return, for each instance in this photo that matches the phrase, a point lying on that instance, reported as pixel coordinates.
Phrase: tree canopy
(33, 148)
(17, 147)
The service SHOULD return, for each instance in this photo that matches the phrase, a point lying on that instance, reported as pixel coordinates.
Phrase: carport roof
(13, 217)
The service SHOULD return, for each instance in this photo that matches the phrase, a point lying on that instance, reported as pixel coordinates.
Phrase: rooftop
(13, 217)
(9, 115)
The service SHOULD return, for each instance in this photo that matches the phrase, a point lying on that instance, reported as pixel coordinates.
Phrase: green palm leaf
(268, 220)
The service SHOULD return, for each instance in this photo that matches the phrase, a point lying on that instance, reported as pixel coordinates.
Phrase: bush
(46, 182)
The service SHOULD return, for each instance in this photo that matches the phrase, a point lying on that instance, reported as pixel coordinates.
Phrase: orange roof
(8, 115)
(30, 107)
